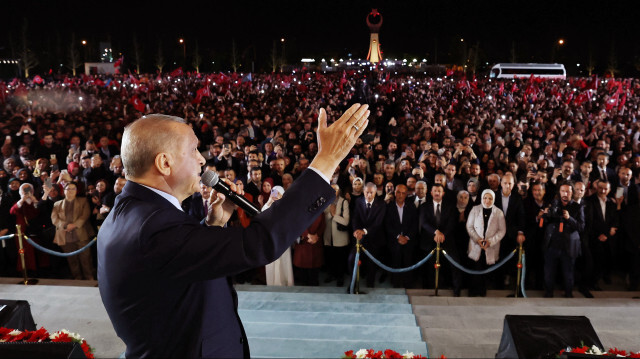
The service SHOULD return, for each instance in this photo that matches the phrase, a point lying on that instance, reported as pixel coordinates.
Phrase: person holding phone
(486, 227)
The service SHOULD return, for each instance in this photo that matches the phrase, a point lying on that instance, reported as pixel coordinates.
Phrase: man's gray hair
(371, 185)
(144, 139)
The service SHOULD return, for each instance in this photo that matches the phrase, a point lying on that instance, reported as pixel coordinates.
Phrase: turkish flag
(177, 72)
(38, 80)
(137, 103)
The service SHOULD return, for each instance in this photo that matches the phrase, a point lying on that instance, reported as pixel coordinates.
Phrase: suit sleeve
(179, 247)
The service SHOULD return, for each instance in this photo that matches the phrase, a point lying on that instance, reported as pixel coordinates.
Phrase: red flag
(622, 102)
(98, 82)
(177, 72)
(501, 90)
(38, 80)
(137, 103)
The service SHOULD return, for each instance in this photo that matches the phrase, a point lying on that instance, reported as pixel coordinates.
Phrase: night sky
(331, 28)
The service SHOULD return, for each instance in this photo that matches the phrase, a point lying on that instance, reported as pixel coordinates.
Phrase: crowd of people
(477, 166)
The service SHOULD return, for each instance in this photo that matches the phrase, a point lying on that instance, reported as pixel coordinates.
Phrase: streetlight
(283, 56)
(184, 51)
(84, 45)
(561, 42)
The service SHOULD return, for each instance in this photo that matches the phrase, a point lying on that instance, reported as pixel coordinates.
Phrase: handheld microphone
(211, 179)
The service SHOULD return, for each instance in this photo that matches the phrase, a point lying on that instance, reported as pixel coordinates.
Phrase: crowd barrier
(21, 236)
(355, 279)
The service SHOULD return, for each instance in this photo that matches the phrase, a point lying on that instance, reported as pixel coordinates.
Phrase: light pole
(184, 51)
(283, 56)
(84, 46)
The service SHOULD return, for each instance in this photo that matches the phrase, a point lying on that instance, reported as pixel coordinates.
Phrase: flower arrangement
(594, 350)
(42, 335)
(387, 354)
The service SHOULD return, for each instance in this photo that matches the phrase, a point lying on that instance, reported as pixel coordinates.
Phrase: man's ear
(163, 162)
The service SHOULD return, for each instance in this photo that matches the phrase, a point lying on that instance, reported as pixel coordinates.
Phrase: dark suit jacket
(163, 275)
(196, 207)
(597, 224)
(427, 225)
(373, 223)
(408, 227)
(515, 221)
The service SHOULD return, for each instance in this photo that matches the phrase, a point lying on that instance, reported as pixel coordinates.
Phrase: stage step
(336, 307)
(269, 316)
(266, 347)
(322, 297)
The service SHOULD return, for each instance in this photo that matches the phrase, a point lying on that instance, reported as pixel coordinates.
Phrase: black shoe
(585, 292)
(606, 279)
(548, 294)
(597, 288)
(568, 295)
(329, 278)
(339, 282)
(456, 293)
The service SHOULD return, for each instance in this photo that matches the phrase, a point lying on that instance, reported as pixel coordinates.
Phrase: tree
(591, 63)
(612, 65)
(159, 57)
(234, 56)
(137, 53)
(74, 55)
(197, 59)
(274, 57)
(28, 59)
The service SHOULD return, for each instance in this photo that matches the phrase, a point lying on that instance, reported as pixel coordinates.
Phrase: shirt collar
(174, 201)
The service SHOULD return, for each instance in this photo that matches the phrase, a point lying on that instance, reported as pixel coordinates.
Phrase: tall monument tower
(374, 21)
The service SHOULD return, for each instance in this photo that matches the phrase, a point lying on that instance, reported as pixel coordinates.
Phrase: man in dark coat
(368, 226)
(401, 228)
(162, 272)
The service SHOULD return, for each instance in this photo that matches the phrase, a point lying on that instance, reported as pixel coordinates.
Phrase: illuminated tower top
(374, 21)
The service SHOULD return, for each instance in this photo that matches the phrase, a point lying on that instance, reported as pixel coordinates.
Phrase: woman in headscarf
(265, 193)
(280, 271)
(486, 227)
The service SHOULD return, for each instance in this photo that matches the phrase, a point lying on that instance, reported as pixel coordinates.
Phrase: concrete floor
(456, 327)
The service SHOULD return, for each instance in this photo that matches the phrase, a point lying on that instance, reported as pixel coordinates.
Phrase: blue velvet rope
(399, 270)
(7, 237)
(58, 254)
(479, 272)
(355, 270)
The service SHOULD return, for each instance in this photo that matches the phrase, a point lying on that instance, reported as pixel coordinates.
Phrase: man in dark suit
(601, 170)
(368, 226)
(401, 228)
(511, 205)
(564, 220)
(436, 224)
(162, 272)
(199, 205)
(602, 225)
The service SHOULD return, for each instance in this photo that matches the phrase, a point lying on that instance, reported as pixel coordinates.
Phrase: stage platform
(323, 322)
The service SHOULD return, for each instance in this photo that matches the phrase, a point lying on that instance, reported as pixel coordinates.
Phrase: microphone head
(210, 178)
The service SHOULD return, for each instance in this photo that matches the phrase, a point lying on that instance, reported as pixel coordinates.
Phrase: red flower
(62, 338)
(392, 354)
(86, 349)
(4, 331)
(373, 355)
(418, 356)
(38, 336)
(443, 357)
(349, 354)
(582, 350)
(634, 355)
(17, 338)
(616, 351)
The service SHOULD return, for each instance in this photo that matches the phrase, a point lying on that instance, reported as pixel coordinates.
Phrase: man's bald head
(144, 139)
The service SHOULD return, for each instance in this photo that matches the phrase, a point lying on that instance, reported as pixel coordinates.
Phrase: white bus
(510, 71)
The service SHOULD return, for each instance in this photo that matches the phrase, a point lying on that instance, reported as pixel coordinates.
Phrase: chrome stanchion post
(519, 279)
(437, 265)
(26, 280)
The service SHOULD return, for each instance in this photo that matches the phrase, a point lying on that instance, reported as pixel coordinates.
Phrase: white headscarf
(493, 195)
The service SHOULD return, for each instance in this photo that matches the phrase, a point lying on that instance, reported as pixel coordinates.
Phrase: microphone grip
(249, 208)
(541, 222)
(561, 227)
